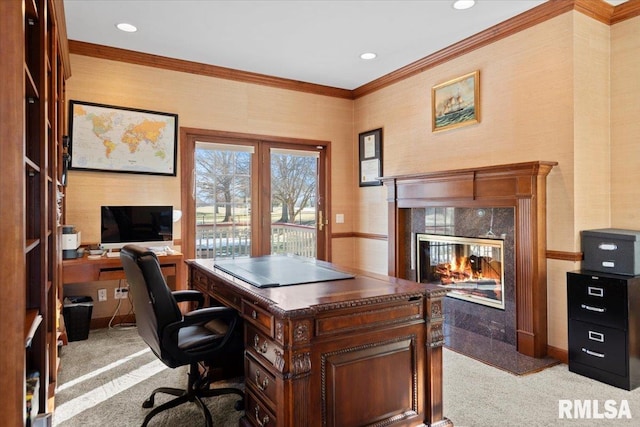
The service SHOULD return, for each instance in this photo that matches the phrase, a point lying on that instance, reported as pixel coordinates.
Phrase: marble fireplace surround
(521, 186)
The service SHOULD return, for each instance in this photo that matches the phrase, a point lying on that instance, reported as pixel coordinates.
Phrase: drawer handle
(593, 353)
(596, 336)
(262, 386)
(596, 309)
(608, 246)
(259, 348)
(264, 420)
(254, 315)
(595, 292)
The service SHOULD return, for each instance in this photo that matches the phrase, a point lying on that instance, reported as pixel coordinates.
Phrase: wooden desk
(362, 351)
(83, 269)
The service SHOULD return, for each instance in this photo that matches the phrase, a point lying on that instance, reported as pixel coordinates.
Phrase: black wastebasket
(77, 317)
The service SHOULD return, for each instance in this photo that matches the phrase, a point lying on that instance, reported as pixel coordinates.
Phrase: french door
(254, 196)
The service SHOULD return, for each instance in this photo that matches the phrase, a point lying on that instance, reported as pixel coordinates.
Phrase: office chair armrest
(189, 295)
(203, 315)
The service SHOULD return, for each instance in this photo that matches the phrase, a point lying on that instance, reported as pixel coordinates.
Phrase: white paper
(369, 146)
(369, 170)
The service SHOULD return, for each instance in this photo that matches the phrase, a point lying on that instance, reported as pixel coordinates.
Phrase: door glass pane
(294, 192)
(223, 200)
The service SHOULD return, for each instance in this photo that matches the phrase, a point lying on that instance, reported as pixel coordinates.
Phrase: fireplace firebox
(470, 268)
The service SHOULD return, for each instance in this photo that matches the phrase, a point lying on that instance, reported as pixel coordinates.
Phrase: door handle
(321, 221)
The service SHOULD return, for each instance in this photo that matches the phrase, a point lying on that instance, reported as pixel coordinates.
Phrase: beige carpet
(104, 380)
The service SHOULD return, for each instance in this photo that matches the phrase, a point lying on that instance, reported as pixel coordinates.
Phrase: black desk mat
(271, 271)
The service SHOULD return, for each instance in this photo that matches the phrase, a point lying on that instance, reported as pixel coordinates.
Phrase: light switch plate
(339, 218)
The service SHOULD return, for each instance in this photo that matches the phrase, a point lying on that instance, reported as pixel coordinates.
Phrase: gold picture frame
(456, 103)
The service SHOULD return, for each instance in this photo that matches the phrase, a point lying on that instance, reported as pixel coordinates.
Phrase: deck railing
(233, 241)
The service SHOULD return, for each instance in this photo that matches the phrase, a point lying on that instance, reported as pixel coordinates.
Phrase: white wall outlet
(120, 293)
(339, 218)
(102, 294)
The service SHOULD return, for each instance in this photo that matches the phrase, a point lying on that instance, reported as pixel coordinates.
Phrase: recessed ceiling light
(368, 55)
(463, 4)
(127, 28)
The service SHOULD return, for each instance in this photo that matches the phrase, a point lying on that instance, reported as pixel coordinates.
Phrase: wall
(625, 126)
(544, 96)
(206, 103)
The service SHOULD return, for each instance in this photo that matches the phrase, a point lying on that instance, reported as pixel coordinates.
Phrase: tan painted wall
(544, 96)
(625, 124)
(207, 103)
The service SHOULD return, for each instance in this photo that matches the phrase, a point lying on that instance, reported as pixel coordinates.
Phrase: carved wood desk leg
(433, 361)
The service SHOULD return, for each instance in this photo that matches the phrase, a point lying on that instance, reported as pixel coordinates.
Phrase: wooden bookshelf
(34, 67)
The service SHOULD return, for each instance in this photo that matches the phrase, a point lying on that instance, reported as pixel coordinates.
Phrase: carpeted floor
(104, 380)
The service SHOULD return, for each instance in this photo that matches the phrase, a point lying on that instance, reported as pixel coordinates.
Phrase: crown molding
(625, 11)
(596, 9)
(180, 65)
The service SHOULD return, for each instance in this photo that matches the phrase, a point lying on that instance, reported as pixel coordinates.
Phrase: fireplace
(471, 269)
(519, 186)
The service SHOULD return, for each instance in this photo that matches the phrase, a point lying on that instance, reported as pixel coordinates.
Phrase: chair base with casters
(197, 389)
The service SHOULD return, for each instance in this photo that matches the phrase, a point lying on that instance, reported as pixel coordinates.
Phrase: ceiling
(316, 42)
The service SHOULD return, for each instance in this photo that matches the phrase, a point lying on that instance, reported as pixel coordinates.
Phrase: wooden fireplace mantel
(519, 185)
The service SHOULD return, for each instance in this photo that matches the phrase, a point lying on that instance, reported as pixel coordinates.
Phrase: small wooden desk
(83, 269)
(361, 351)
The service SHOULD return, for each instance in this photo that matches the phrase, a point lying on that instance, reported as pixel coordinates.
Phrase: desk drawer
(200, 279)
(258, 413)
(259, 317)
(227, 296)
(263, 349)
(261, 381)
(111, 274)
(598, 346)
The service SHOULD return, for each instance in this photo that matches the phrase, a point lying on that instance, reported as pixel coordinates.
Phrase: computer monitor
(148, 226)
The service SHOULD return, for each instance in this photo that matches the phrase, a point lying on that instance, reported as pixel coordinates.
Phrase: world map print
(122, 140)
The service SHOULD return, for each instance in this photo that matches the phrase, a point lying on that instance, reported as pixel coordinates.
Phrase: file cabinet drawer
(598, 299)
(611, 250)
(598, 346)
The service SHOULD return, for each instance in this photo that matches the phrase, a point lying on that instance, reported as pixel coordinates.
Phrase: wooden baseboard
(558, 353)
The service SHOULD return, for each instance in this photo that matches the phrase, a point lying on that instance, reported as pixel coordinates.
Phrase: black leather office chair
(200, 338)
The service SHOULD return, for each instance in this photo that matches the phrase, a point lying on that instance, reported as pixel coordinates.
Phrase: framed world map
(119, 139)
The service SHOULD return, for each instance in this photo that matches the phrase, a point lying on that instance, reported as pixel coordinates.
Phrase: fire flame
(462, 269)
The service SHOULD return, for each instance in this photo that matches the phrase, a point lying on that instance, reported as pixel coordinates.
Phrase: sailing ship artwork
(456, 103)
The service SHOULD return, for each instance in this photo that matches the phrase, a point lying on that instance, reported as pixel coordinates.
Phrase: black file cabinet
(604, 327)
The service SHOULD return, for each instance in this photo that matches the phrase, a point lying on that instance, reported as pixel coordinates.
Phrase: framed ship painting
(456, 103)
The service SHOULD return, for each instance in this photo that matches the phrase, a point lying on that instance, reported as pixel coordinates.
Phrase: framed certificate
(370, 168)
